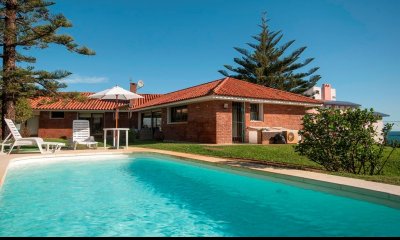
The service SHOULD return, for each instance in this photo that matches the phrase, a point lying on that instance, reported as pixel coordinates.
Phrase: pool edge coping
(383, 191)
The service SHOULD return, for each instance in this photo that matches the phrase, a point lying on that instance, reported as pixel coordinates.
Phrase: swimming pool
(155, 195)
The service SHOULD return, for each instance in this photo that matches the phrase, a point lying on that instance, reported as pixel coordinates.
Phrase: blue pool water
(152, 195)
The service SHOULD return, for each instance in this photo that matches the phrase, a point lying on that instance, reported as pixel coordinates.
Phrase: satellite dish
(140, 83)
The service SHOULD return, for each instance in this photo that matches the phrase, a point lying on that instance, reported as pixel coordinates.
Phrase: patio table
(115, 136)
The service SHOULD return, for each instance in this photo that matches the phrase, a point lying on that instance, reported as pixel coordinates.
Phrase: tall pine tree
(267, 64)
(27, 24)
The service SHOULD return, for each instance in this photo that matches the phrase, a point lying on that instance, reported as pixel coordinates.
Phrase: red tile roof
(146, 98)
(229, 87)
(88, 104)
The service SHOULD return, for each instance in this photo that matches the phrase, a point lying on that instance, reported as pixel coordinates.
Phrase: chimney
(132, 88)
(326, 92)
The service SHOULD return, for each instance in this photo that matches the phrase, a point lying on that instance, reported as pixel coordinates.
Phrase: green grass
(283, 155)
(391, 171)
(277, 155)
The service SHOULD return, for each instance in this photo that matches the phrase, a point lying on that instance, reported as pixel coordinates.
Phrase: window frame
(260, 114)
(170, 114)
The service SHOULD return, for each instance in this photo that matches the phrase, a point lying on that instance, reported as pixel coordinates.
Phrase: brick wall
(208, 122)
(211, 122)
(202, 125)
(56, 128)
(224, 122)
(286, 116)
(62, 128)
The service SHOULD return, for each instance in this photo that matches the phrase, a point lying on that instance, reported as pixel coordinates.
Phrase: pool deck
(358, 186)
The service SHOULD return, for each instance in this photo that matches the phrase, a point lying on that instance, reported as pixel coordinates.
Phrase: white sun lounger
(81, 134)
(18, 141)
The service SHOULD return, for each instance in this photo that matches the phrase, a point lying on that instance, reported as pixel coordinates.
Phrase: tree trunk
(9, 66)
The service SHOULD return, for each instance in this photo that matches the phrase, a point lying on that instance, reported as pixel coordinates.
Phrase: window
(85, 116)
(57, 115)
(156, 116)
(179, 114)
(96, 121)
(146, 120)
(255, 112)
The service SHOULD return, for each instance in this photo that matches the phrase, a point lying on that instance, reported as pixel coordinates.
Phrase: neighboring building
(327, 95)
(326, 92)
(221, 111)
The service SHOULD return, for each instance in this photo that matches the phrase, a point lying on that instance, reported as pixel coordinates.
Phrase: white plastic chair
(81, 134)
(30, 141)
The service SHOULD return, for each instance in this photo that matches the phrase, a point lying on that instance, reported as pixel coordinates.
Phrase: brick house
(54, 119)
(220, 111)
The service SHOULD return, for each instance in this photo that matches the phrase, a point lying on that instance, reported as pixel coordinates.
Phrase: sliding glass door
(238, 122)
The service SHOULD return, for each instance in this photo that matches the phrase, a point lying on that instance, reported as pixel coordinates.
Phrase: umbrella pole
(116, 120)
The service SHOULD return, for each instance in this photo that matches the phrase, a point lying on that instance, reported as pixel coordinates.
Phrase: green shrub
(343, 140)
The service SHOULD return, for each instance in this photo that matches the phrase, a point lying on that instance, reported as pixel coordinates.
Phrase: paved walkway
(320, 181)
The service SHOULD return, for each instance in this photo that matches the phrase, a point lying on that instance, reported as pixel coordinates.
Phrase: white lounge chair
(18, 141)
(81, 134)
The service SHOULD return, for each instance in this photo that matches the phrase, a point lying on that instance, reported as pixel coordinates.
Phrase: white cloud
(84, 79)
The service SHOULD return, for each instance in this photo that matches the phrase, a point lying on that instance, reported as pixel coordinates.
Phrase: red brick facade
(287, 116)
(56, 128)
(62, 128)
(211, 121)
(200, 126)
(208, 122)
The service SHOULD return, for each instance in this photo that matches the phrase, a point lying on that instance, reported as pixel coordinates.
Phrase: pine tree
(267, 64)
(27, 24)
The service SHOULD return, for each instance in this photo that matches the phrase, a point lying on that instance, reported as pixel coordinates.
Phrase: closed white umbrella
(116, 93)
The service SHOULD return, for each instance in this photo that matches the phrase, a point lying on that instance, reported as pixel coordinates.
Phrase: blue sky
(176, 44)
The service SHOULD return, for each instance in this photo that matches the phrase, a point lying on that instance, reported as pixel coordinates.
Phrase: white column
(105, 137)
(113, 137)
(126, 133)
(118, 138)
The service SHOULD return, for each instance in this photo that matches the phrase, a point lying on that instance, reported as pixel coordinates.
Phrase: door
(97, 125)
(238, 122)
(96, 121)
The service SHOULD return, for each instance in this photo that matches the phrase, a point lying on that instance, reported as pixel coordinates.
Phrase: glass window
(84, 116)
(146, 120)
(179, 114)
(57, 115)
(97, 124)
(255, 114)
(157, 120)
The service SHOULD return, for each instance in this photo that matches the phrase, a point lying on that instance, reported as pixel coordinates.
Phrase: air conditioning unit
(291, 136)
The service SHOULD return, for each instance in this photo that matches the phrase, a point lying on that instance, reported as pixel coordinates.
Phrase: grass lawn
(274, 154)
(280, 155)
(283, 155)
